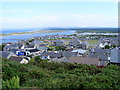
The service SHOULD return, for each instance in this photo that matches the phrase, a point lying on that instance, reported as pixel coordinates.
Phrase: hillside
(41, 74)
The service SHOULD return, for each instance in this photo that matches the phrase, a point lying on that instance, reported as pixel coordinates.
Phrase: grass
(92, 41)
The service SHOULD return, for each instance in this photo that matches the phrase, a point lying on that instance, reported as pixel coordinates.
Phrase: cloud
(74, 20)
(16, 11)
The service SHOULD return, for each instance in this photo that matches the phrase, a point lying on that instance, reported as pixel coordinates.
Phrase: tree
(38, 59)
(107, 47)
(113, 46)
(59, 48)
(1, 47)
(31, 40)
(27, 43)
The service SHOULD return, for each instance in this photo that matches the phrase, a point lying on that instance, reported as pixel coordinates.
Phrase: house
(21, 46)
(19, 59)
(14, 50)
(85, 45)
(34, 52)
(37, 42)
(42, 48)
(74, 42)
(7, 47)
(81, 52)
(63, 59)
(115, 56)
(101, 45)
(102, 54)
(69, 54)
(22, 53)
(104, 43)
(84, 60)
(6, 54)
(50, 55)
(58, 42)
(10, 47)
(30, 46)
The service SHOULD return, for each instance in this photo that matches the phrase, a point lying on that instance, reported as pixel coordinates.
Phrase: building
(6, 54)
(19, 59)
(115, 56)
(58, 42)
(84, 60)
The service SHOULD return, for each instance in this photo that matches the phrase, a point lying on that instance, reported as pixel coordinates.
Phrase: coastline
(32, 32)
(22, 36)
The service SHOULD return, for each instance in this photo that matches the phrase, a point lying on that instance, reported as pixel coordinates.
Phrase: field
(92, 41)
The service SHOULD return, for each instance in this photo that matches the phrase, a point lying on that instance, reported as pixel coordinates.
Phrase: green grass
(92, 41)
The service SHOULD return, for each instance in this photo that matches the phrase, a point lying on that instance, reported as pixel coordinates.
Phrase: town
(98, 49)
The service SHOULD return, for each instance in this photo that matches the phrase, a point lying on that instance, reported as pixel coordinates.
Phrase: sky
(58, 14)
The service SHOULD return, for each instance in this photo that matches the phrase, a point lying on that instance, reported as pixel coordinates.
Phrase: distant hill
(113, 30)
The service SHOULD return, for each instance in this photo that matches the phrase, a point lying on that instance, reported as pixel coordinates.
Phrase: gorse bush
(42, 74)
(12, 83)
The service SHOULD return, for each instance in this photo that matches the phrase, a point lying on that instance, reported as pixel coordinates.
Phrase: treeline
(43, 74)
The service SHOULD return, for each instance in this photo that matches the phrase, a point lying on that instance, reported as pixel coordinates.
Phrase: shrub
(12, 83)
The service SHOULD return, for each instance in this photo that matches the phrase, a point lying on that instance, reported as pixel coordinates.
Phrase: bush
(12, 83)
(59, 75)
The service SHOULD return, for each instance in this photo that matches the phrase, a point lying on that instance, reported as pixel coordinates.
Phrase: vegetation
(92, 41)
(60, 48)
(42, 74)
(31, 40)
(57, 48)
(1, 47)
(108, 47)
(12, 83)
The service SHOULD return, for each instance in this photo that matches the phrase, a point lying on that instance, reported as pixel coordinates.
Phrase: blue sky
(59, 14)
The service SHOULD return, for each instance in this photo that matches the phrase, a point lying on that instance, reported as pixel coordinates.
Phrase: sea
(8, 31)
(15, 38)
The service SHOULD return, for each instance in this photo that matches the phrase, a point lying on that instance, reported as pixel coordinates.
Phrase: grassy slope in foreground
(42, 74)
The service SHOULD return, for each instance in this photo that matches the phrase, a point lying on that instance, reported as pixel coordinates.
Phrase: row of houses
(70, 57)
(76, 51)
(106, 55)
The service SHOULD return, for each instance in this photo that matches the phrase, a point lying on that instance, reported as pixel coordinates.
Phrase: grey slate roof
(99, 50)
(63, 59)
(42, 48)
(20, 45)
(6, 54)
(51, 54)
(14, 50)
(29, 46)
(92, 55)
(84, 60)
(115, 55)
(61, 41)
(103, 57)
(85, 43)
(37, 42)
(33, 50)
(102, 54)
(14, 58)
(69, 54)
